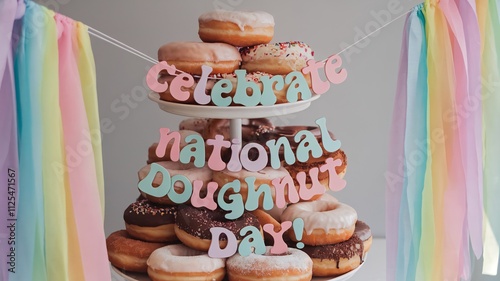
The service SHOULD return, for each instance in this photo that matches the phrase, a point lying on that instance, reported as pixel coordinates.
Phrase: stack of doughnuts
(169, 241)
(234, 40)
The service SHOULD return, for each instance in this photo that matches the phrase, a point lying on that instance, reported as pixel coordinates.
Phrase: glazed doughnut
(276, 58)
(180, 263)
(167, 95)
(152, 157)
(252, 129)
(325, 221)
(192, 226)
(363, 231)
(175, 168)
(190, 56)
(236, 28)
(295, 265)
(129, 254)
(217, 127)
(194, 124)
(264, 176)
(336, 259)
(265, 218)
(149, 222)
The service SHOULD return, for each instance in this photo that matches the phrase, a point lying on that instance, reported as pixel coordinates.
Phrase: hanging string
(370, 34)
(98, 34)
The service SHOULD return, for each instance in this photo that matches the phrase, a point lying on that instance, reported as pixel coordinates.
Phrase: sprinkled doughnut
(276, 58)
(180, 263)
(127, 253)
(325, 221)
(147, 221)
(336, 259)
(192, 226)
(236, 27)
(294, 265)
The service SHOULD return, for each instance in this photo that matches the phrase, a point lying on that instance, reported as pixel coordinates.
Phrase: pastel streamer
(488, 13)
(395, 170)
(451, 143)
(416, 135)
(54, 182)
(82, 173)
(460, 140)
(9, 173)
(86, 68)
(30, 231)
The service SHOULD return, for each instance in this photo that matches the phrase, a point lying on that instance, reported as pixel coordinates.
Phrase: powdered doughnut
(180, 263)
(325, 221)
(295, 265)
(276, 58)
(127, 253)
(193, 225)
(175, 168)
(152, 157)
(336, 259)
(190, 56)
(149, 222)
(236, 28)
(363, 231)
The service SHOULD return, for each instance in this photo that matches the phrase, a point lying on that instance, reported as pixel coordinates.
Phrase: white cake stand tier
(131, 276)
(231, 112)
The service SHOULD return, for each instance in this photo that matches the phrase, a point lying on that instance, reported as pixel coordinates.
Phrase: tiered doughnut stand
(235, 114)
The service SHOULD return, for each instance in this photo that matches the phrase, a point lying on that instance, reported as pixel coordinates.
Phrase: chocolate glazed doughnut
(336, 259)
(192, 226)
(363, 231)
(289, 132)
(147, 221)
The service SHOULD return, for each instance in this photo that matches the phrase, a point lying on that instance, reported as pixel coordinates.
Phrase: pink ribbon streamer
(395, 170)
(82, 175)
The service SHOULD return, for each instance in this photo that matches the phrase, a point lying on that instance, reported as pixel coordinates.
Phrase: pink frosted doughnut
(180, 263)
(294, 265)
(326, 221)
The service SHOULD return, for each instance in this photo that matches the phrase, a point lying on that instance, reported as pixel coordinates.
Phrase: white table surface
(372, 270)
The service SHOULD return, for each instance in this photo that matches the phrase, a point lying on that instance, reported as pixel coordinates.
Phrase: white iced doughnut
(180, 263)
(295, 265)
(326, 221)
